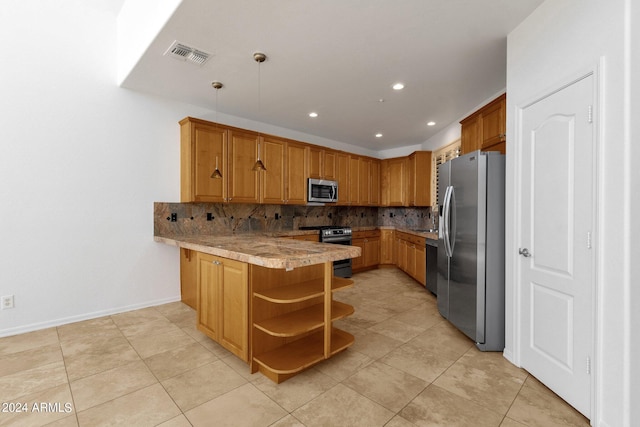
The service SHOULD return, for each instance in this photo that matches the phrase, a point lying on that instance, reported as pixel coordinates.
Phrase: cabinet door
(470, 134)
(397, 182)
(493, 122)
(329, 165)
(374, 186)
(358, 262)
(202, 145)
(342, 171)
(364, 187)
(387, 243)
(354, 180)
(243, 180)
(272, 180)
(421, 264)
(315, 162)
(420, 178)
(411, 174)
(371, 251)
(411, 259)
(188, 278)
(296, 174)
(401, 253)
(208, 279)
(234, 307)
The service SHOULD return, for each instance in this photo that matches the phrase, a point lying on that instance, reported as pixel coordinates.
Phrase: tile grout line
(66, 372)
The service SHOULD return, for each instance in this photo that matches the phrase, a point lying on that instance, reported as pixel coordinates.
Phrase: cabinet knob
(216, 262)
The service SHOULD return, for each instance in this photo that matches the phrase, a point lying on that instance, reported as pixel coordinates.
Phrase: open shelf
(302, 291)
(303, 353)
(301, 321)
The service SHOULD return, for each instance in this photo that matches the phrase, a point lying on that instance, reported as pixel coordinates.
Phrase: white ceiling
(338, 58)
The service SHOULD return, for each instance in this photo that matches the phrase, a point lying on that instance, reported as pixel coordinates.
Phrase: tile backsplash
(212, 218)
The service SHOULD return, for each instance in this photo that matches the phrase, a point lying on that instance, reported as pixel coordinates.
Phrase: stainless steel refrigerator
(471, 246)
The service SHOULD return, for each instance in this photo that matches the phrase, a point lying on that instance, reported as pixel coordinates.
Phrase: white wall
(633, 184)
(81, 163)
(560, 39)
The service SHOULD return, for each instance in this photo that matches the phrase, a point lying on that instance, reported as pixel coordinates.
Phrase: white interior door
(556, 259)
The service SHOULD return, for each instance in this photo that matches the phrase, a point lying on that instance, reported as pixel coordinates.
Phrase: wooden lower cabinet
(188, 277)
(411, 255)
(369, 243)
(223, 302)
(387, 247)
(293, 314)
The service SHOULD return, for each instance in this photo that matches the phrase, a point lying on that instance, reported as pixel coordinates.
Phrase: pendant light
(259, 58)
(216, 173)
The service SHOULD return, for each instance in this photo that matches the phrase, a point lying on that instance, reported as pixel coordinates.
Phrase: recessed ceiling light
(313, 114)
(398, 86)
(378, 135)
(431, 124)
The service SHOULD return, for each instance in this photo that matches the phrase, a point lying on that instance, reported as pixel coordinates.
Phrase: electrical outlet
(6, 302)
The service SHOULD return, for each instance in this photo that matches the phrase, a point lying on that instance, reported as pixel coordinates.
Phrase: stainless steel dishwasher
(432, 265)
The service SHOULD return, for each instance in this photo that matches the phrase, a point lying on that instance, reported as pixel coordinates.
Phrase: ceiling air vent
(183, 52)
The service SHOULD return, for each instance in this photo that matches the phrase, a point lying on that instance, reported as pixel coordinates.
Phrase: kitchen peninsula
(269, 300)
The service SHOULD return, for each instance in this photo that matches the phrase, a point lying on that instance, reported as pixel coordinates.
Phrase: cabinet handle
(216, 262)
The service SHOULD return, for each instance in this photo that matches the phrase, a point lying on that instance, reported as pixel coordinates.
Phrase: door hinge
(590, 114)
(588, 365)
(588, 240)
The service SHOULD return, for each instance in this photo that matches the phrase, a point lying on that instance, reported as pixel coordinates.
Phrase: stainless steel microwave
(322, 191)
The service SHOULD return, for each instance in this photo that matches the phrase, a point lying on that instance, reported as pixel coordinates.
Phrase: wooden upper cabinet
(321, 163)
(342, 176)
(329, 165)
(364, 183)
(470, 134)
(201, 145)
(394, 184)
(272, 181)
(494, 119)
(420, 178)
(353, 184)
(284, 180)
(295, 181)
(486, 128)
(406, 181)
(374, 179)
(315, 162)
(368, 182)
(243, 180)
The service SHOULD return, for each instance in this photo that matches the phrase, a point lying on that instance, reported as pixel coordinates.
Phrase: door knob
(524, 252)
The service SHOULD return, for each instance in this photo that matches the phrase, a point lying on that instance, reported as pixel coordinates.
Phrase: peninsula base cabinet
(279, 322)
(223, 302)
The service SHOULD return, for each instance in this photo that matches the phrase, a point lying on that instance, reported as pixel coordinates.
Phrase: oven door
(341, 268)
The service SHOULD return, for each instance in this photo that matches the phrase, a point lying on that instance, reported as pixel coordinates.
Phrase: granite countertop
(422, 233)
(264, 249)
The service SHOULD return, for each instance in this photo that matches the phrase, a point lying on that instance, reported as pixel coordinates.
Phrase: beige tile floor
(407, 367)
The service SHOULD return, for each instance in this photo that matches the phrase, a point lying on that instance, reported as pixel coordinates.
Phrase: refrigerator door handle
(446, 216)
(452, 220)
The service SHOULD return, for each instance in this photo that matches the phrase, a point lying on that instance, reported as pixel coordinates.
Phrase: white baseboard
(86, 316)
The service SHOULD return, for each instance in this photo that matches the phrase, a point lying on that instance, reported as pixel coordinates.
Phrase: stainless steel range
(340, 235)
